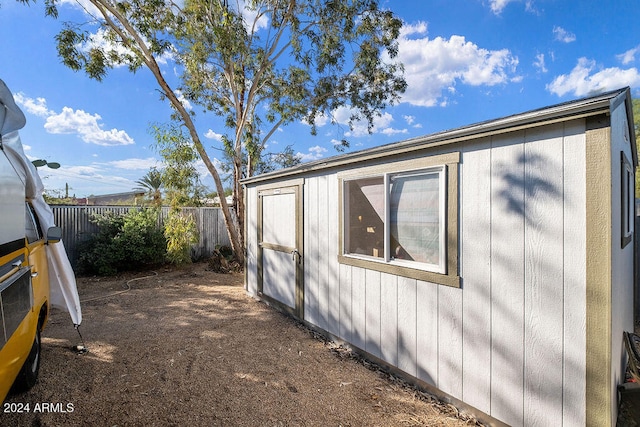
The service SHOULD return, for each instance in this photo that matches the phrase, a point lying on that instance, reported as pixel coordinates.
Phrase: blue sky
(466, 62)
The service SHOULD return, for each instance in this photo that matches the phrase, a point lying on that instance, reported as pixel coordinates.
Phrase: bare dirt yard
(188, 347)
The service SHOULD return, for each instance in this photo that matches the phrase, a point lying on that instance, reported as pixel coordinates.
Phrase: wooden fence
(76, 225)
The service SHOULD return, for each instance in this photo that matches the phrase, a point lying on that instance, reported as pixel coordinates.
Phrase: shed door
(280, 247)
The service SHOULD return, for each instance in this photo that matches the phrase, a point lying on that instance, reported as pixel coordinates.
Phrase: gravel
(188, 347)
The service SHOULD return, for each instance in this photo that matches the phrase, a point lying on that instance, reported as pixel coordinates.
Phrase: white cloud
(563, 35)
(315, 153)
(584, 81)
(629, 56)
(392, 131)
(96, 178)
(84, 5)
(360, 128)
(213, 135)
(135, 164)
(342, 115)
(92, 173)
(71, 121)
(436, 65)
(251, 19)
(87, 126)
(37, 107)
(539, 63)
(201, 167)
(101, 41)
(411, 121)
(82, 171)
(497, 6)
(320, 120)
(185, 102)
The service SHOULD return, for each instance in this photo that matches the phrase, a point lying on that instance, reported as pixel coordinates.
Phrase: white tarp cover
(62, 281)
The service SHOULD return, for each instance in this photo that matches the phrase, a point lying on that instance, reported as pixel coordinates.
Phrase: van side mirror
(54, 234)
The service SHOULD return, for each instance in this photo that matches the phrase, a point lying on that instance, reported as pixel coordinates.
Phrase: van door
(37, 257)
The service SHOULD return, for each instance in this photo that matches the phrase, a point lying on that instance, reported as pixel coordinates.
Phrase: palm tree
(152, 184)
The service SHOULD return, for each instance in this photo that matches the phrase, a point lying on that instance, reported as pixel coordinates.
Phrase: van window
(32, 227)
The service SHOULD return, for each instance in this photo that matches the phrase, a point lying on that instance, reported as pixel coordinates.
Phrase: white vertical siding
(251, 241)
(507, 279)
(544, 298)
(323, 252)
(427, 332)
(407, 324)
(345, 329)
(312, 248)
(333, 279)
(575, 259)
(450, 323)
(511, 340)
(372, 307)
(389, 318)
(476, 256)
(358, 307)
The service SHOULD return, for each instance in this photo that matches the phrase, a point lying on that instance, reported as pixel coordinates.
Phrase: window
(402, 218)
(364, 219)
(417, 219)
(32, 225)
(627, 201)
(397, 218)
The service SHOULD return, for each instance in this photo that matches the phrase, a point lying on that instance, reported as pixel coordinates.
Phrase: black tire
(28, 375)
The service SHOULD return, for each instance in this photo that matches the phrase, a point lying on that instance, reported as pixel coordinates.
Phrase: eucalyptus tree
(258, 64)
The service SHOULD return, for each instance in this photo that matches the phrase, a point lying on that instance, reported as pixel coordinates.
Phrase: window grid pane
(364, 217)
(415, 218)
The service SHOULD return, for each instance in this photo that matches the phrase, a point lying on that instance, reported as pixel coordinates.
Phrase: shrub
(123, 242)
(180, 232)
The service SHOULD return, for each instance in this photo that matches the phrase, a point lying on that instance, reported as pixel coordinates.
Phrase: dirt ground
(188, 347)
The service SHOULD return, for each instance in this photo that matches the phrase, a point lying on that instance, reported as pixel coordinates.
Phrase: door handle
(295, 256)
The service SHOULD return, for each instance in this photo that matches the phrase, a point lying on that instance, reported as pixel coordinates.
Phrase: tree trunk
(109, 12)
(233, 228)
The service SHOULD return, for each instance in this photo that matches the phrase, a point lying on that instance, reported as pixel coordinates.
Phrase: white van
(35, 273)
(24, 283)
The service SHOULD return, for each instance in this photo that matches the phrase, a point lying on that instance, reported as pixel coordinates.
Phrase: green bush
(181, 232)
(123, 242)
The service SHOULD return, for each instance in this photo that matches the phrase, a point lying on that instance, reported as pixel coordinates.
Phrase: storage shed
(492, 264)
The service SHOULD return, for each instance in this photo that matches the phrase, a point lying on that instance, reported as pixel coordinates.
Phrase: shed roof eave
(585, 107)
(625, 97)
